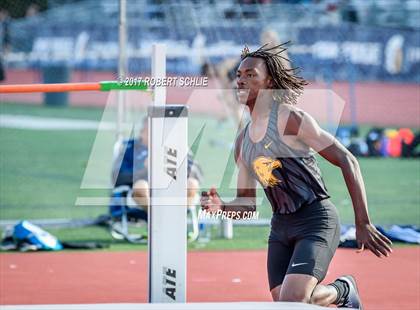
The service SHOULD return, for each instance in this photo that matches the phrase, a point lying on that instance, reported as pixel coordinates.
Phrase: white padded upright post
(167, 218)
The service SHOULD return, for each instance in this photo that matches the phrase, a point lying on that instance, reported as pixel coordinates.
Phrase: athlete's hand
(210, 201)
(368, 237)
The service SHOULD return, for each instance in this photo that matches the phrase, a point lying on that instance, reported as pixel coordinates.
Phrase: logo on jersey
(263, 168)
(266, 146)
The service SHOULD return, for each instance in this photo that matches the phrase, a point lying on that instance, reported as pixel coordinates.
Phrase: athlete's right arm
(245, 193)
(245, 200)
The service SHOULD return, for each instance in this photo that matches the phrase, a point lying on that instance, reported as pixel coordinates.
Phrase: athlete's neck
(261, 106)
(261, 109)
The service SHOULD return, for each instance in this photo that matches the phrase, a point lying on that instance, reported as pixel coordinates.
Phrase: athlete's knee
(275, 293)
(295, 296)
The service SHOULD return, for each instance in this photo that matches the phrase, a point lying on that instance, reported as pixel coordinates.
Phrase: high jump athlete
(276, 148)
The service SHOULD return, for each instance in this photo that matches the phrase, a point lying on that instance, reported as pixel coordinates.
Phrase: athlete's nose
(240, 82)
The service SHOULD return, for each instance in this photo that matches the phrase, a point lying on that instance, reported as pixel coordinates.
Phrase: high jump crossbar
(73, 87)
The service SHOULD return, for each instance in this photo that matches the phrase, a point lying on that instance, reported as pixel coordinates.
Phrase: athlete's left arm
(311, 134)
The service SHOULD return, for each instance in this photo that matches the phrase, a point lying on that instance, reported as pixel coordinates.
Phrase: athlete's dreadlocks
(287, 84)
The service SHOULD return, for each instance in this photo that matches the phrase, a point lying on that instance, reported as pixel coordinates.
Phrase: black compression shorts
(303, 242)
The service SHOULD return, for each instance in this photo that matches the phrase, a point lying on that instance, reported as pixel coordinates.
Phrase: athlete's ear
(270, 82)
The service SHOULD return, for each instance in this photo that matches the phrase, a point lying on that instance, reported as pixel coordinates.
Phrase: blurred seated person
(130, 176)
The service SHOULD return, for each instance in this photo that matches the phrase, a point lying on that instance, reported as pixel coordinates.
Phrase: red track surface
(110, 277)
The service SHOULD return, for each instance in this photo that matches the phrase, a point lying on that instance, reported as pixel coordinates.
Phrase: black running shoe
(352, 300)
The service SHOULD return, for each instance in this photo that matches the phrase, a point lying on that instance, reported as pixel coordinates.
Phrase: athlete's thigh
(311, 257)
(316, 240)
(278, 260)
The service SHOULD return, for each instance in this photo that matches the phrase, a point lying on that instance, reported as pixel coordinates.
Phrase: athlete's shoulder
(289, 109)
(292, 116)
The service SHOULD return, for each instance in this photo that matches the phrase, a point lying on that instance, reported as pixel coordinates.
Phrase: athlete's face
(251, 77)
